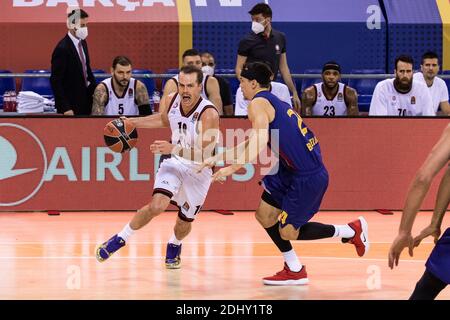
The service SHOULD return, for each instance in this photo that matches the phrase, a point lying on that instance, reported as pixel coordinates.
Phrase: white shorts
(186, 188)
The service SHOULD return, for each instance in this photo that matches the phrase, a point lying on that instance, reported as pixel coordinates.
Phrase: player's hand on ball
(161, 147)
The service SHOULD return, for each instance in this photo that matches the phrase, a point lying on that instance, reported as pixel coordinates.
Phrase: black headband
(331, 66)
(252, 75)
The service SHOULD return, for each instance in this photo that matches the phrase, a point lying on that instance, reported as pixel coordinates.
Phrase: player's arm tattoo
(100, 100)
(308, 100)
(351, 100)
(142, 97)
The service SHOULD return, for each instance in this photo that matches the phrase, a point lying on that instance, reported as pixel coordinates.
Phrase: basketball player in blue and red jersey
(294, 191)
(437, 272)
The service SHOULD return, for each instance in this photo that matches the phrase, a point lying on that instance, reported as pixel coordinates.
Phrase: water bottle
(13, 101)
(6, 102)
(156, 99)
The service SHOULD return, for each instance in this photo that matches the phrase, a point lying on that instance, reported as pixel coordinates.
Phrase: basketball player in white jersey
(194, 122)
(438, 88)
(330, 97)
(121, 94)
(278, 89)
(401, 96)
(210, 85)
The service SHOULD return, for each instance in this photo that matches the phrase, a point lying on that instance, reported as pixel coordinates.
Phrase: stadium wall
(154, 33)
(414, 27)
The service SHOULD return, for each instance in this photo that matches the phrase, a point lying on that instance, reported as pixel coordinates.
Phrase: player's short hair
(404, 58)
(192, 69)
(262, 8)
(258, 71)
(429, 55)
(122, 60)
(191, 53)
(331, 65)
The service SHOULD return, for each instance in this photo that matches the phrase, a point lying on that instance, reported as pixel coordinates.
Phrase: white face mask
(208, 70)
(257, 27)
(82, 33)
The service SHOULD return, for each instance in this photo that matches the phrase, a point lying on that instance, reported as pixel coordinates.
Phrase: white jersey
(124, 105)
(438, 90)
(387, 101)
(204, 93)
(280, 90)
(184, 127)
(177, 177)
(334, 107)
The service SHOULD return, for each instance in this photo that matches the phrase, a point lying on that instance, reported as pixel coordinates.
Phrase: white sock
(174, 240)
(126, 232)
(291, 259)
(343, 231)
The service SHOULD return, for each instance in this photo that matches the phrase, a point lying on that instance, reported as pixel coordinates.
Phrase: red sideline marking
(384, 212)
(224, 212)
(53, 213)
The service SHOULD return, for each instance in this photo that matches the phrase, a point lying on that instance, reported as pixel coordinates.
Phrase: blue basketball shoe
(173, 260)
(105, 250)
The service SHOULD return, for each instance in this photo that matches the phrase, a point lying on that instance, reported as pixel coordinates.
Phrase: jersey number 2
(291, 113)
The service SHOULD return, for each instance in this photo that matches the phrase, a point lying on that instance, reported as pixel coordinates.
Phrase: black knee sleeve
(314, 231)
(428, 287)
(274, 233)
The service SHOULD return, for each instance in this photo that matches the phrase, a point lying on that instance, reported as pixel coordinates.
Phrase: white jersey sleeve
(379, 103)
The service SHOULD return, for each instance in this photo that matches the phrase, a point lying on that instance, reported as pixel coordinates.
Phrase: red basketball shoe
(287, 277)
(361, 238)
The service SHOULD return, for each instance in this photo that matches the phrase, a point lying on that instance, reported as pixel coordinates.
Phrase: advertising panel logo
(23, 164)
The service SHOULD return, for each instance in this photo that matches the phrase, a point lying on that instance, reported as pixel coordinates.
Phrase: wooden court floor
(225, 257)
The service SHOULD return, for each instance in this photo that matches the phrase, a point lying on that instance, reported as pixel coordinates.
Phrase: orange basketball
(120, 135)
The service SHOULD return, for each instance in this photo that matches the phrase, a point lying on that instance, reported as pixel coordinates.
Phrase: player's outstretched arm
(435, 161)
(248, 150)
(158, 120)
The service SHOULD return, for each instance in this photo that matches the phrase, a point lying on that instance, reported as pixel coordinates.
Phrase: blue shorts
(298, 196)
(439, 261)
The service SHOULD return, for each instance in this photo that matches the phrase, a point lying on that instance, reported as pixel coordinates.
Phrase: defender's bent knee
(266, 219)
(288, 232)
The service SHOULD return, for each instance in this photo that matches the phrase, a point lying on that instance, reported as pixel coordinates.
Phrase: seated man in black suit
(72, 80)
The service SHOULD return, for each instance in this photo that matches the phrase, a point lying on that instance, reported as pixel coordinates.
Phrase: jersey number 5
(291, 113)
(121, 108)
